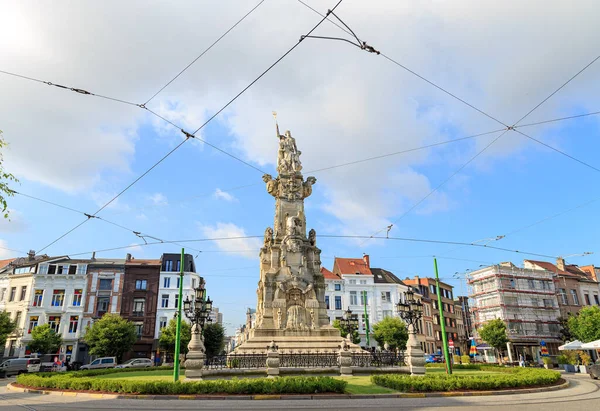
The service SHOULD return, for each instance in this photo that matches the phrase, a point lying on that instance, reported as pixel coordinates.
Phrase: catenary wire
(204, 52)
(559, 119)
(192, 134)
(558, 151)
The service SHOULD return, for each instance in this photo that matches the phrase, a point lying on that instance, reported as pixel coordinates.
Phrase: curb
(11, 387)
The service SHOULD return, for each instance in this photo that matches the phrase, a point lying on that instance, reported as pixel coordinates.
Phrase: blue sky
(341, 105)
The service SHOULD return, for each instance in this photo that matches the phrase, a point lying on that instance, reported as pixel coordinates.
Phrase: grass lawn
(154, 375)
(363, 385)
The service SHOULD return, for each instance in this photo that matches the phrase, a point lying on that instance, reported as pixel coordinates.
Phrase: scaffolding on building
(524, 298)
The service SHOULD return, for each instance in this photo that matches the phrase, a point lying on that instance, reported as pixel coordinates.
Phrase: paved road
(584, 394)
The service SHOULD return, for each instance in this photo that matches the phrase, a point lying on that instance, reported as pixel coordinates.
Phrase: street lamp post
(349, 323)
(197, 311)
(411, 311)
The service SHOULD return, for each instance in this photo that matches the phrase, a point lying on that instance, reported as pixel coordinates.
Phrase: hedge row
(513, 378)
(456, 366)
(282, 385)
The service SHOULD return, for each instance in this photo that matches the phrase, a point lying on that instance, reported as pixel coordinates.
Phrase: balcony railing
(137, 313)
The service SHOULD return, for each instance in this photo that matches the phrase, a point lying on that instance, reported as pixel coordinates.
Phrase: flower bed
(512, 378)
(282, 385)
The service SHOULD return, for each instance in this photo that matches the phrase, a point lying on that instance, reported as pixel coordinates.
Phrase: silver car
(136, 363)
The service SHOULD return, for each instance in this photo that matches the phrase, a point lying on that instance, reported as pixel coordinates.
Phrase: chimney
(31, 255)
(128, 258)
(417, 281)
(366, 260)
(560, 263)
(94, 255)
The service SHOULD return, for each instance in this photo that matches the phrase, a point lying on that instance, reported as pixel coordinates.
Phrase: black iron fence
(308, 359)
(219, 362)
(379, 359)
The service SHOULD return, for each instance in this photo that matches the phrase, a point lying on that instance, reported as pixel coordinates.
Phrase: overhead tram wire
(192, 135)
(138, 234)
(559, 119)
(204, 52)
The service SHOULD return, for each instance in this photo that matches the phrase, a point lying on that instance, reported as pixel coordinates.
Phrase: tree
(494, 333)
(392, 331)
(5, 178)
(585, 326)
(111, 336)
(343, 333)
(168, 334)
(214, 339)
(7, 326)
(44, 340)
(565, 331)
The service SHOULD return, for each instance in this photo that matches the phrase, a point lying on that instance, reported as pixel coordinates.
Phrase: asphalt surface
(583, 394)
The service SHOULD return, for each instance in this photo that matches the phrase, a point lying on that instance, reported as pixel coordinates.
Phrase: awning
(573, 345)
(483, 347)
(594, 345)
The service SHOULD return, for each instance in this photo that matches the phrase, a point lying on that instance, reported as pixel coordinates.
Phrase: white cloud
(243, 247)
(4, 253)
(158, 199)
(224, 195)
(141, 217)
(360, 105)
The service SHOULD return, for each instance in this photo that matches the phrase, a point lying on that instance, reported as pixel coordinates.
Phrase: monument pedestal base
(323, 340)
(415, 357)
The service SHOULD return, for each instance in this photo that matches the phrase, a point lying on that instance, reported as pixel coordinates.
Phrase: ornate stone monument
(291, 310)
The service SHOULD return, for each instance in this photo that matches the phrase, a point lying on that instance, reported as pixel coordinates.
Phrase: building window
(563, 296)
(73, 269)
(73, 322)
(575, 298)
(193, 283)
(105, 284)
(531, 284)
(363, 298)
(13, 292)
(54, 322)
(138, 307)
(77, 297)
(553, 328)
(352, 282)
(2, 294)
(595, 299)
(165, 301)
(535, 302)
(23, 292)
(353, 298)
(58, 297)
(387, 313)
(338, 302)
(168, 265)
(33, 322)
(386, 296)
(167, 282)
(162, 323)
(176, 300)
(427, 310)
(141, 284)
(52, 269)
(18, 318)
(327, 302)
(178, 268)
(38, 298)
(587, 299)
(548, 303)
(337, 287)
(363, 281)
(102, 306)
(178, 280)
(139, 328)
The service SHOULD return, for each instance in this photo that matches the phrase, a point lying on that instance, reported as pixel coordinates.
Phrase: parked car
(136, 363)
(434, 358)
(594, 371)
(98, 363)
(14, 366)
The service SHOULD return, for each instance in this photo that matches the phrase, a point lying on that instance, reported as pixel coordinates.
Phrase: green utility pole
(442, 321)
(178, 333)
(366, 317)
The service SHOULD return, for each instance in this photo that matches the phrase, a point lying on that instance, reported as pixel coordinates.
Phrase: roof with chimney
(355, 266)
(381, 276)
(571, 270)
(328, 275)
(134, 261)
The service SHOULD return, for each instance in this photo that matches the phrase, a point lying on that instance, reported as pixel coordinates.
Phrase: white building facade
(168, 288)
(368, 292)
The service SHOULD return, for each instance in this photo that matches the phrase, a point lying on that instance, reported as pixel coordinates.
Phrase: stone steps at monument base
(304, 344)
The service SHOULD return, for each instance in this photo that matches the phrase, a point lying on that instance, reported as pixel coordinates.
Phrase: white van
(14, 366)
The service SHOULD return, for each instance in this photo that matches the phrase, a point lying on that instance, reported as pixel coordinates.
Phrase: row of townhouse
(531, 301)
(70, 294)
(374, 292)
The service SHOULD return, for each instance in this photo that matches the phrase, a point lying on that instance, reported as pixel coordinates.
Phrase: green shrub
(281, 385)
(512, 377)
(465, 359)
